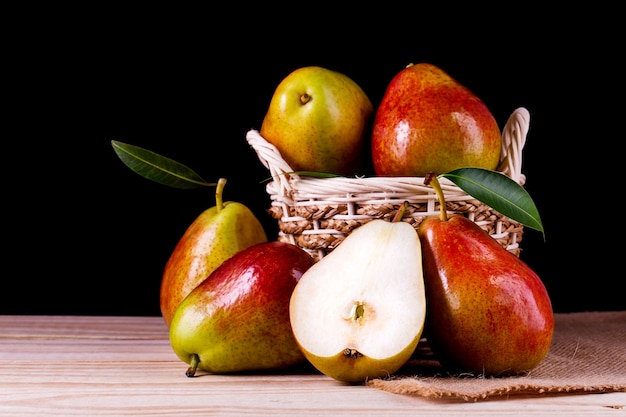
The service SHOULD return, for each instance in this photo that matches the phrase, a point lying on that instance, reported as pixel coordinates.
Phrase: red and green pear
(237, 319)
(488, 312)
(427, 121)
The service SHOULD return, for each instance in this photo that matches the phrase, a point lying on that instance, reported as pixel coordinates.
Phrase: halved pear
(359, 312)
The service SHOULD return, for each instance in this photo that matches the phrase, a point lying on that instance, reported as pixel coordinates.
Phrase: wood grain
(115, 366)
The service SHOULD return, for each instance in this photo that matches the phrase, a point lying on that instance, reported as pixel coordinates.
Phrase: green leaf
(499, 192)
(158, 168)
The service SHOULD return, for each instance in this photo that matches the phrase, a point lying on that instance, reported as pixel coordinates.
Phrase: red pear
(488, 312)
(427, 121)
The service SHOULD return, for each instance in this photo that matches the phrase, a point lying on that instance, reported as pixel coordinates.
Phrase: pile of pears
(359, 312)
(236, 302)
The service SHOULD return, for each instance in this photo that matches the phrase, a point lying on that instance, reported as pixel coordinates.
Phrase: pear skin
(237, 319)
(427, 121)
(349, 366)
(214, 236)
(488, 312)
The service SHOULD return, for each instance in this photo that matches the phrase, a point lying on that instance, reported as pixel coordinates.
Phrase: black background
(85, 235)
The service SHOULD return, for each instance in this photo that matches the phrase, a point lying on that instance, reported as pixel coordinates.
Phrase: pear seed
(360, 310)
(356, 311)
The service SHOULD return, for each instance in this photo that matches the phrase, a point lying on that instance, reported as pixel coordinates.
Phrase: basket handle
(513, 141)
(272, 160)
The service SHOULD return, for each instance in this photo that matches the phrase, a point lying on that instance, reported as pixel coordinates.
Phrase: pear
(319, 120)
(237, 319)
(428, 121)
(488, 312)
(359, 312)
(214, 236)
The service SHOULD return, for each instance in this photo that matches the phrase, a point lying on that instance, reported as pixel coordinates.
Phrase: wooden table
(115, 366)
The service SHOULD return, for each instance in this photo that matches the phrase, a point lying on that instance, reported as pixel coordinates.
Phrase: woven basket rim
(513, 141)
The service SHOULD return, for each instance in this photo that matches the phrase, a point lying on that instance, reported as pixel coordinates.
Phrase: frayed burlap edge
(588, 355)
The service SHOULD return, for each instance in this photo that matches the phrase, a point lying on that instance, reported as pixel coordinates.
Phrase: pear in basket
(488, 312)
(427, 121)
(359, 312)
(318, 119)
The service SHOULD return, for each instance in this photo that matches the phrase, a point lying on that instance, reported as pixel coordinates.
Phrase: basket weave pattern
(317, 214)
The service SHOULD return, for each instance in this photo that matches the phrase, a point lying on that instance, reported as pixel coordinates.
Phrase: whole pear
(214, 236)
(427, 121)
(488, 312)
(319, 120)
(238, 318)
(359, 312)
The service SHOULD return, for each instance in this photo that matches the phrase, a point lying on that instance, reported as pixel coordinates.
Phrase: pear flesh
(359, 312)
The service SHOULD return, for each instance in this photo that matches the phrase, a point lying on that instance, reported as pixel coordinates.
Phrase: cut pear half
(359, 312)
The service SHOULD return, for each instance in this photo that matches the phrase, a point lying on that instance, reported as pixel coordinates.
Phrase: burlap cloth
(588, 354)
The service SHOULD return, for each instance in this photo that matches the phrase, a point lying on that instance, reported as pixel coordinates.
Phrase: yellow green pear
(319, 120)
(359, 312)
(215, 235)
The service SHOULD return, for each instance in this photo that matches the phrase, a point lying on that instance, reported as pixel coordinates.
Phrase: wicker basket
(316, 214)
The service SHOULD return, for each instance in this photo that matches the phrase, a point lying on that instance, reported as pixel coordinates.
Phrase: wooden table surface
(115, 366)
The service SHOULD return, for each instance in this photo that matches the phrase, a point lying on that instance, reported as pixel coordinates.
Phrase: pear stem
(305, 98)
(219, 191)
(431, 179)
(193, 365)
(400, 213)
